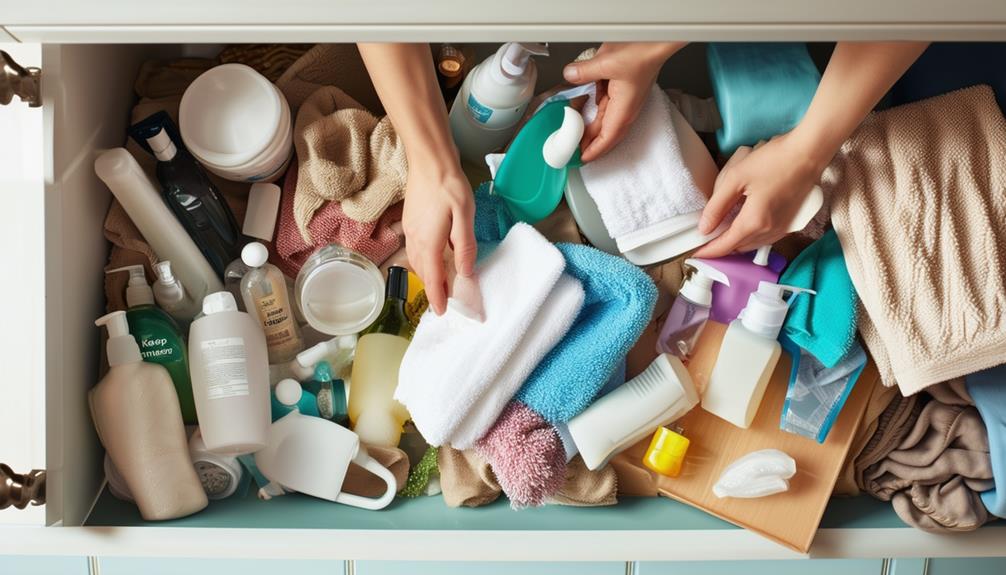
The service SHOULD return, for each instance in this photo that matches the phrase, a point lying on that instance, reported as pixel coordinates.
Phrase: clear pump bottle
(690, 311)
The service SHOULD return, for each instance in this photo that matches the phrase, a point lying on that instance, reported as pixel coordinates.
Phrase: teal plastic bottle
(159, 337)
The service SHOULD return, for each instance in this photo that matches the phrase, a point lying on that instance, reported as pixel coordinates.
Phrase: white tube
(166, 236)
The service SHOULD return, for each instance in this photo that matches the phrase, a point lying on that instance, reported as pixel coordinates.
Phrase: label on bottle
(226, 367)
(155, 349)
(480, 112)
(276, 321)
(494, 119)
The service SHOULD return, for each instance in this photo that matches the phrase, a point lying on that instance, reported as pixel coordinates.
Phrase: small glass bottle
(265, 295)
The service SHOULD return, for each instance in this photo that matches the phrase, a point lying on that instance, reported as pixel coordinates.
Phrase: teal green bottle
(330, 394)
(159, 337)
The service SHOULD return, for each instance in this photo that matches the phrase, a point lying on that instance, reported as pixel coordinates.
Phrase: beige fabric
(329, 65)
(345, 154)
(270, 60)
(918, 201)
(361, 482)
(168, 78)
(586, 488)
(466, 480)
(880, 398)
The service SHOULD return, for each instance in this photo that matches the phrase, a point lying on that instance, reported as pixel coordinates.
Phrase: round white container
(237, 124)
(339, 291)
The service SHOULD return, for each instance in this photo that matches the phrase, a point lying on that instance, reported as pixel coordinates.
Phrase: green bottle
(159, 337)
(330, 394)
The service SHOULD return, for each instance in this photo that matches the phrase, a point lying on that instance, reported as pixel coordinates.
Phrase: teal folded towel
(825, 324)
(761, 89)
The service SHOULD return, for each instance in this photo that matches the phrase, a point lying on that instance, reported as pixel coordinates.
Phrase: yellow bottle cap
(666, 452)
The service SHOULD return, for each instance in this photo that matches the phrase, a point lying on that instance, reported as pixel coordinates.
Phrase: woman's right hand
(439, 213)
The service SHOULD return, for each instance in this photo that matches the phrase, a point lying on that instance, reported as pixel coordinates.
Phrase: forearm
(404, 78)
(857, 77)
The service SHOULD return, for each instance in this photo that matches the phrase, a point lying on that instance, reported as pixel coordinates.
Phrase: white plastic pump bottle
(493, 99)
(748, 355)
(172, 297)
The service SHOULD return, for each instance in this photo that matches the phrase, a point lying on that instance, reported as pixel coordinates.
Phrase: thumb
(586, 71)
(726, 191)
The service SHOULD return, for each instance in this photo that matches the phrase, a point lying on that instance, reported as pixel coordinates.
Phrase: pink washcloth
(526, 455)
(377, 240)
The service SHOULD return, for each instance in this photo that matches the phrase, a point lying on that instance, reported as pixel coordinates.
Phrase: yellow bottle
(373, 412)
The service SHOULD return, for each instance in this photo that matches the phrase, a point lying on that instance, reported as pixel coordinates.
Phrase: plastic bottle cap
(138, 291)
(761, 256)
(260, 216)
(323, 371)
(163, 271)
(121, 347)
(219, 302)
(162, 146)
(666, 453)
(513, 58)
(288, 392)
(698, 288)
(255, 255)
(561, 144)
(766, 309)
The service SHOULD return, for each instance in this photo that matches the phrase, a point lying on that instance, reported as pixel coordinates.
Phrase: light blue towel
(988, 390)
(761, 89)
(824, 324)
(619, 300)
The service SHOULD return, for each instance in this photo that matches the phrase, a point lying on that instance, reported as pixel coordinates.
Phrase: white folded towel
(453, 362)
(642, 187)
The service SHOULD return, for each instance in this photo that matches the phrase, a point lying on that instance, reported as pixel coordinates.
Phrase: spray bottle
(170, 294)
(690, 310)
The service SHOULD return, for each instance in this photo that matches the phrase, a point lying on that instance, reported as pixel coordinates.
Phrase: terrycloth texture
(465, 479)
(988, 389)
(586, 488)
(762, 89)
(526, 455)
(421, 474)
(329, 65)
(823, 325)
(348, 155)
(377, 240)
(270, 60)
(619, 303)
(453, 361)
(642, 186)
(919, 201)
(937, 472)
(361, 482)
(816, 394)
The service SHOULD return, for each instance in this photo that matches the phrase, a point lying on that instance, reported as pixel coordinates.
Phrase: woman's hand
(624, 73)
(439, 212)
(775, 178)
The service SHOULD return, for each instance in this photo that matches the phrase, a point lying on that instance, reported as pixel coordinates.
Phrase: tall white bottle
(748, 355)
(141, 199)
(493, 99)
(171, 296)
(230, 377)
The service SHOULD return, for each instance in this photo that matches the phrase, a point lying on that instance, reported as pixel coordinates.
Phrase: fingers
(740, 231)
(587, 70)
(433, 280)
(618, 117)
(727, 190)
(463, 240)
(593, 129)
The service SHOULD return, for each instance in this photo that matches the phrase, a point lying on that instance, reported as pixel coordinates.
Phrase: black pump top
(398, 283)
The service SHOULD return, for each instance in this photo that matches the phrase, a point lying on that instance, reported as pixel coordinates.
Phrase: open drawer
(86, 95)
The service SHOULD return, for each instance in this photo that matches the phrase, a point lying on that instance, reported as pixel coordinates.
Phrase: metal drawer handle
(20, 490)
(16, 80)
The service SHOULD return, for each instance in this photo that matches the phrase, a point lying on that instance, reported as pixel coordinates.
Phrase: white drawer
(87, 92)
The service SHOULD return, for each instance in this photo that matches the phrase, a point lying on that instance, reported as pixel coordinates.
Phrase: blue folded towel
(618, 302)
(761, 89)
(988, 390)
(825, 324)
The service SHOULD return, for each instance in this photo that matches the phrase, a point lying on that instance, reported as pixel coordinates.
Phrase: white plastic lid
(255, 255)
(138, 292)
(512, 60)
(219, 302)
(288, 392)
(698, 288)
(162, 146)
(562, 143)
(766, 310)
(260, 216)
(339, 292)
(163, 271)
(121, 347)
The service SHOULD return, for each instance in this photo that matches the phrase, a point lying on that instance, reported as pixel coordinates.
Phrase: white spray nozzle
(288, 392)
(761, 256)
(121, 347)
(162, 146)
(138, 291)
(562, 143)
(766, 309)
(514, 57)
(698, 288)
(163, 271)
(137, 275)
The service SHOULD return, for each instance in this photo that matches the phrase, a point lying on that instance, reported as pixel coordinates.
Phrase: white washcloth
(551, 324)
(452, 360)
(642, 187)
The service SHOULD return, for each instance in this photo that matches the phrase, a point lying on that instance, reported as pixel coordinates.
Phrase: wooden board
(789, 518)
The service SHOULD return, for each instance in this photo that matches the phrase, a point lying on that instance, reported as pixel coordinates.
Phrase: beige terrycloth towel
(919, 204)
(348, 155)
(586, 488)
(361, 482)
(329, 65)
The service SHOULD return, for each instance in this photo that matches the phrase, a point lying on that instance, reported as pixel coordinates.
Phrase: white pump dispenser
(690, 310)
(748, 355)
(172, 297)
(493, 98)
(121, 346)
(562, 143)
(138, 291)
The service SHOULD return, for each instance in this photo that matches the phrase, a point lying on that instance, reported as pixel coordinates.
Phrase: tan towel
(880, 398)
(361, 482)
(919, 204)
(329, 65)
(270, 60)
(348, 155)
(586, 488)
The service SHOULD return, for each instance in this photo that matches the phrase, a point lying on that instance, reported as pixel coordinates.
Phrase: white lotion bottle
(661, 394)
(142, 201)
(139, 421)
(230, 377)
(171, 296)
(748, 356)
(492, 100)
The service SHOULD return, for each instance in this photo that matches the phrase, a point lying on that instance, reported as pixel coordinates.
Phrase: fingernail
(571, 73)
